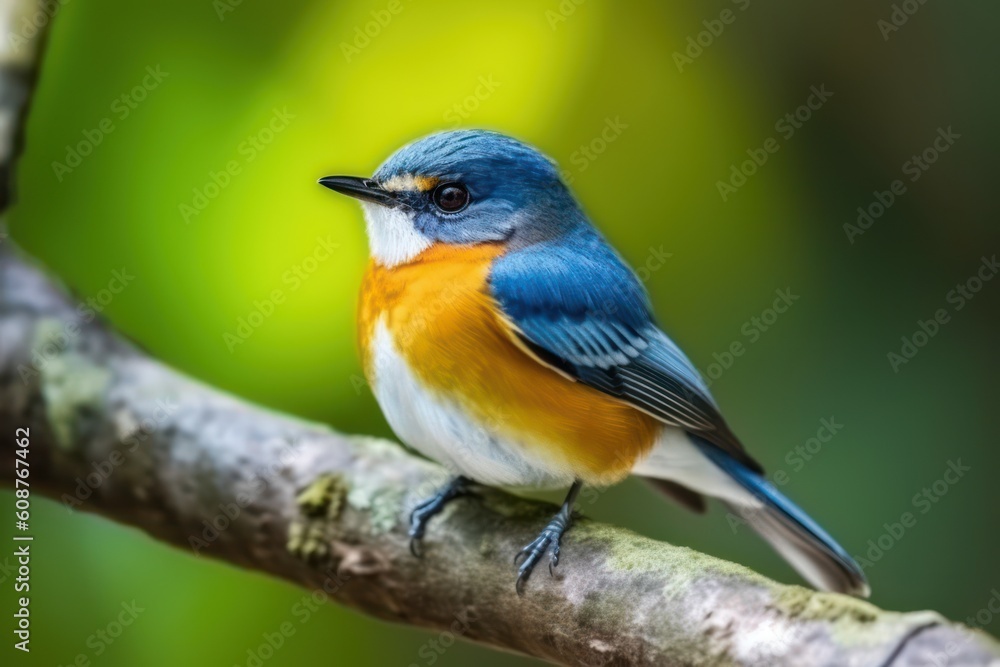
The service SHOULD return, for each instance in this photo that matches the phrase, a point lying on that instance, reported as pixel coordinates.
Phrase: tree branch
(114, 432)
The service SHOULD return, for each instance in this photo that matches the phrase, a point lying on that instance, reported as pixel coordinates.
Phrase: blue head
(461, 187)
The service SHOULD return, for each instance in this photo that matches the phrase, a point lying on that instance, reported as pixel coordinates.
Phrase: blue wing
(574, 303)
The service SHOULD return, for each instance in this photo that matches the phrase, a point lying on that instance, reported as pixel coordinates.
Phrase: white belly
(438, 427)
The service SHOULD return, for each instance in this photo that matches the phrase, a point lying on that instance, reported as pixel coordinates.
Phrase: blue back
(566, 292)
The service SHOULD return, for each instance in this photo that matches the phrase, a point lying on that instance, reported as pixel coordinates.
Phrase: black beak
(360, 188)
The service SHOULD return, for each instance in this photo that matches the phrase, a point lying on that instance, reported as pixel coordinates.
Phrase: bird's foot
(551, 536)
(422, 513)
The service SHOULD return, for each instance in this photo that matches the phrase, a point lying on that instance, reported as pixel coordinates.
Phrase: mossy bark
(211, 474)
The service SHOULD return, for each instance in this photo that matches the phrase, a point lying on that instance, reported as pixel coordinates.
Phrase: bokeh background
(557, 74)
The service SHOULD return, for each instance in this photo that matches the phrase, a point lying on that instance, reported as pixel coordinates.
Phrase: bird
(503, 337)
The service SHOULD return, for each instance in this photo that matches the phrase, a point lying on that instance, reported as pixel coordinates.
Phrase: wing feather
(575, 305)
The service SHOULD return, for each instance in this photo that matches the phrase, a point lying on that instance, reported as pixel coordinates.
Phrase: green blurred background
(555, 75)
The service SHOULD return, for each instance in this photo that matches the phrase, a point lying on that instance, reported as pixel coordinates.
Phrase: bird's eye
(451, 197)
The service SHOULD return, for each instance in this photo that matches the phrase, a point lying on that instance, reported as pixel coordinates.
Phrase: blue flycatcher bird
(504, 338)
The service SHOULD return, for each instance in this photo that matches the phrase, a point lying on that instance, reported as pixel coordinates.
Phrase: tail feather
(682, 460)
(793, 534)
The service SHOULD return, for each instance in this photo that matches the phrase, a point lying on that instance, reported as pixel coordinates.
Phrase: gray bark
(117, 433)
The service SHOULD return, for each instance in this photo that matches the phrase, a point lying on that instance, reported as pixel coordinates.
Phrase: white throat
(392, 238)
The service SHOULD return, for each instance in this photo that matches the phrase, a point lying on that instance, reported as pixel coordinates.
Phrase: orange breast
(445, 324)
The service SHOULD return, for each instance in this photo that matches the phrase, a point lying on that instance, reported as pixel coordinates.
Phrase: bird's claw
(416, 546)
(533, 552)
(419, 517)
(423, 512)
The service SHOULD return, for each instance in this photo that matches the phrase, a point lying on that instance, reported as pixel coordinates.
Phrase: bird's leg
(550, 536)
(422, 513)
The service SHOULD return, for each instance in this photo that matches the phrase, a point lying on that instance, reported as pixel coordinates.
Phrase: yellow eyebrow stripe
(410, 182)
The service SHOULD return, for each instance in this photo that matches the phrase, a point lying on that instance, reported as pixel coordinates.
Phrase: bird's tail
(685, 466)
(793, 534)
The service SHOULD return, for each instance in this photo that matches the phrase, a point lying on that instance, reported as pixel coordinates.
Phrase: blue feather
(785, 510)
(582, 309)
